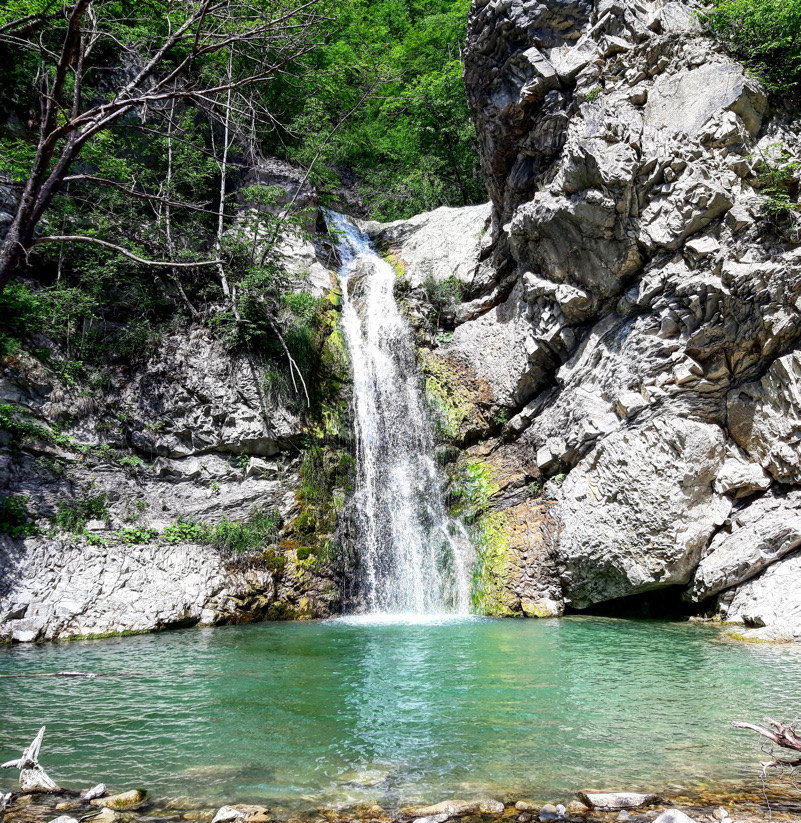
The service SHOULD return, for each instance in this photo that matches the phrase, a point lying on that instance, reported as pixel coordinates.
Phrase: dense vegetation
(410, 145)
(145, 215)
(765, 35)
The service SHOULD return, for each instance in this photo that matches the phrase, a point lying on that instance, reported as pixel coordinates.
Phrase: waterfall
(413, 558)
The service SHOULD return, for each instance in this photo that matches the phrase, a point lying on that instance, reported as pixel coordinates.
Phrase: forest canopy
(132, 135)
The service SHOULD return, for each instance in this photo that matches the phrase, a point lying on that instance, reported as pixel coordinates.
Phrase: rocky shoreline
(748, 804)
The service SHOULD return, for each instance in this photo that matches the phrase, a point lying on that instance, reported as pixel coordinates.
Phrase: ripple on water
(397, 711)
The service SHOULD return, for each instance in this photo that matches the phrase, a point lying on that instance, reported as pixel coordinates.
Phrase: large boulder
(764, 418)
(756, 535)
(770, 604)
(637, 512)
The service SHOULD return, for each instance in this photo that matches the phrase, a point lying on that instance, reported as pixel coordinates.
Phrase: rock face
(119, 476)
(628, 337)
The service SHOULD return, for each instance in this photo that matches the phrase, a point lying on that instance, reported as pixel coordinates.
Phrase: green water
(310, 714)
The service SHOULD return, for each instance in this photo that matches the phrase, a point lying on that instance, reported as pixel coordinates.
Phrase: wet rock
(576, 807)
(544, 607)
(106, 816)
(122, 802)
(242, 811)
(227, 814)
(547, 812)
(527, 806)
(455, 808)
(524, 817)
(434, 818)
(64, 818)
(614, 801)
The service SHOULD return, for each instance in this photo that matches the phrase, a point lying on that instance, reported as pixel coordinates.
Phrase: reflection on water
(353, 711)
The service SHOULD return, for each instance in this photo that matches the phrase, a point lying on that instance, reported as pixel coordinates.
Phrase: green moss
(473, 483)
(491, 570)
(452, 408)
(303, 553)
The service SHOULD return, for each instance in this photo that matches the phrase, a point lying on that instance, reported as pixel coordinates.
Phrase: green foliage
(489, 593)
(411, 143)
(184, 530)
(258, 530)
(443, 295)
(303, 553)
(73, 517)
(593, 94)
(21, 313)
(21, 425)
(764, 34)
(137, 535)
(778, 182)
(472, 485)
(15, 520)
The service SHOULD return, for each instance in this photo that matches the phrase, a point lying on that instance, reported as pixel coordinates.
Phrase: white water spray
(415, 560)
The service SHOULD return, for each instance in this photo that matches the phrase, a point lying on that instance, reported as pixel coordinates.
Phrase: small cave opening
(657, 604)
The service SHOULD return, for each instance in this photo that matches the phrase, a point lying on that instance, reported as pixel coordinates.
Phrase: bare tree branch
(77, 238)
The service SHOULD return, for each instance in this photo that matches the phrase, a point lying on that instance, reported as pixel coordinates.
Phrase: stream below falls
(305, 715)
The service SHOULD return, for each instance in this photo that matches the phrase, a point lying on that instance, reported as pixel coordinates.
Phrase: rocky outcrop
(633, 317)
(127, 478)
(768, 605)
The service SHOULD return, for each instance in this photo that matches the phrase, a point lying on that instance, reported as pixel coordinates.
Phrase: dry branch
(783, 735)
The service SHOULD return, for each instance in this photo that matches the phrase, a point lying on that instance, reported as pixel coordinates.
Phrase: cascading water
(413, 557)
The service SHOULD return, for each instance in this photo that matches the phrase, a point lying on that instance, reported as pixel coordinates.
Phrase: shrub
(778, 183)
(20, 313)
(258, 529)
(443, 294)
(136, 535)
(15, 520)
(20, 424)
(74, 517)
(764, 34)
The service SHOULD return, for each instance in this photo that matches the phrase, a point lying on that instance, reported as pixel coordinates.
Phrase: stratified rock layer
(633, 316)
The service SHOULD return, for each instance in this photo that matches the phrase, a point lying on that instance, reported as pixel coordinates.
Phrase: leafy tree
(765, 35)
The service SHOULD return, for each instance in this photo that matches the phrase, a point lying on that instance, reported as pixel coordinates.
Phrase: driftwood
(32, 777)
(4, 801)
(783, 735)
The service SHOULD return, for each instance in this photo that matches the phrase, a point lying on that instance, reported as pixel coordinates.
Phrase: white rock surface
(756, 535)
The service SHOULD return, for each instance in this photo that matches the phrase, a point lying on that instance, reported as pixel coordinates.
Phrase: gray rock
(758, 533)
(548, 812)
(685, 101)
(764, 418)
(637, 513)
(444, 243)
(124, 801)
(227, 814)
(770, 604)
(96, 791)
(613, 801)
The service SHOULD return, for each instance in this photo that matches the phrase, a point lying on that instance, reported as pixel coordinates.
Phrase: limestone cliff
(141, 485)
(627, 331)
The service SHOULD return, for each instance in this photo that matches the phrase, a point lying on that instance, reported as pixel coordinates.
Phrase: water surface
(308, 714)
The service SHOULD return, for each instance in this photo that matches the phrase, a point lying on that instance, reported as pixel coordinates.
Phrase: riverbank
(750, 803)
